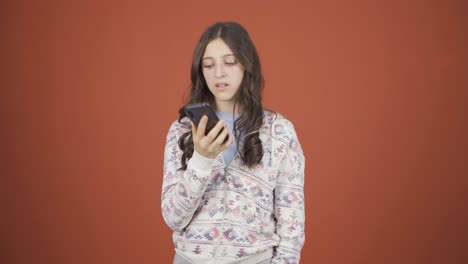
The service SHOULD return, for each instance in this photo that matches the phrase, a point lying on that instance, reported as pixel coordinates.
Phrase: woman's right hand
(212, 144)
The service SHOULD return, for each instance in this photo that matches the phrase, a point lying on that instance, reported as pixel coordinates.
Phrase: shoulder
(278, 126)
(177, 128)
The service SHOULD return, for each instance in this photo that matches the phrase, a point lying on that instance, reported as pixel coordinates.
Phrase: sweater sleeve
(289, 197)
(182, 189)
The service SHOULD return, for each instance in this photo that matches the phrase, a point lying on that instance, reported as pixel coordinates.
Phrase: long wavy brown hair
(249, 97)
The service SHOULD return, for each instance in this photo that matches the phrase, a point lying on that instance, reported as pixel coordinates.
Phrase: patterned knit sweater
(225, 214)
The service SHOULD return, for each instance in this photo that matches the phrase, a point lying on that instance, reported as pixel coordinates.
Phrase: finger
(202, 126)
(228, 142)
(215, 131)
(221, 137)
(194, 128)
(194, 132)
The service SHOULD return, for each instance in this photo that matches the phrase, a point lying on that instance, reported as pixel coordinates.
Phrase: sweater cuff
(201, 163)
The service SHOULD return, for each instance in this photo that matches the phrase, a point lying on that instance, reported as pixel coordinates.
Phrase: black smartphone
(196, 111)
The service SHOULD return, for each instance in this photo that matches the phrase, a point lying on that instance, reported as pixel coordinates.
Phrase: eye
(208, 66)
(231, 60)
(207, 63)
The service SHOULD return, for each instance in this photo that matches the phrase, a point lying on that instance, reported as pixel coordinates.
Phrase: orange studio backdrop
(377, 91)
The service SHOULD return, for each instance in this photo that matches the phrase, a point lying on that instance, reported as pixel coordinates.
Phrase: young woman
(240, 200)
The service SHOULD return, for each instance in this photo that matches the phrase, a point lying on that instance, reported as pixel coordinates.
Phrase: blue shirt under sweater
(230, 152)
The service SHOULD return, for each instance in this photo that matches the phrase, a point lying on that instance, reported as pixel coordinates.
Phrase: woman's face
(223, 73)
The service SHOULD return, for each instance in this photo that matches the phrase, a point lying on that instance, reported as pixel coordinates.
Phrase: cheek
(236, 72)
(240, 75)
(206, 77)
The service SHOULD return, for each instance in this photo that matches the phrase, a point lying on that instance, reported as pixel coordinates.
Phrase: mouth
(221, 85)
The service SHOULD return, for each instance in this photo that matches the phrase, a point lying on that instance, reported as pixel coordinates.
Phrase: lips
(221, 85)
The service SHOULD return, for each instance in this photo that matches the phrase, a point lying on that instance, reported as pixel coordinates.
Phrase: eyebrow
(226, 55)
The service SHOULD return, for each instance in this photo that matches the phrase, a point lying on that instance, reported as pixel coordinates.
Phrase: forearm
(183, 190)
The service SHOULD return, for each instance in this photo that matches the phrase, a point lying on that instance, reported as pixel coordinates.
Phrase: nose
(219, 70)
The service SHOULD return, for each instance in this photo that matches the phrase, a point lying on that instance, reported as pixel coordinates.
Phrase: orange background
(377, 91)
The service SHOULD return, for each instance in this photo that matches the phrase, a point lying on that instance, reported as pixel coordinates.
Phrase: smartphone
(196, 111)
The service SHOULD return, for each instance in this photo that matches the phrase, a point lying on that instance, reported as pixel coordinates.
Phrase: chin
(226, 98)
